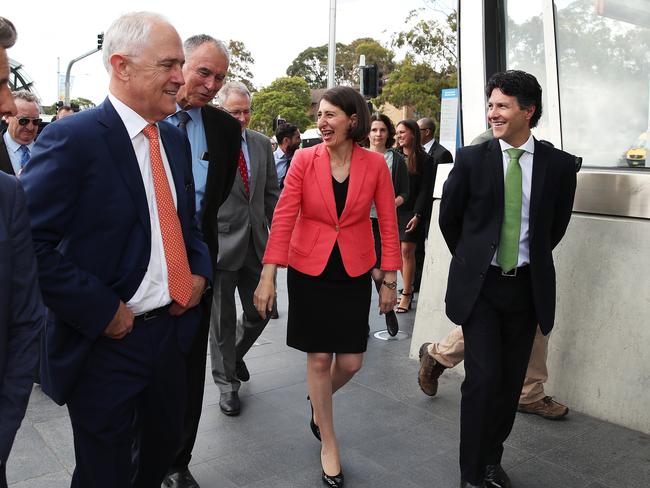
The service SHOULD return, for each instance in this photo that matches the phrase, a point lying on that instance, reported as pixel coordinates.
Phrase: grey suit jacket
(239, 218)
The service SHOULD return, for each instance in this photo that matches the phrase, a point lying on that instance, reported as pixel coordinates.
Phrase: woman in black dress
(322, 232)
(409, 216)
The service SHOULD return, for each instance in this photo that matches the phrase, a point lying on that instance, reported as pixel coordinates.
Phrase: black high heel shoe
(312, 425)
(333, 481)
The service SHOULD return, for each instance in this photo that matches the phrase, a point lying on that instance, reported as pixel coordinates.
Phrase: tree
(241, 63)
(286, 97)
(311, 64)
(82, 103)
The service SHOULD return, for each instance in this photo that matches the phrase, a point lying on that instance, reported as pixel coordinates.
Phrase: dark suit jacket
(92, 232)
(5, 162)
(471, 213)
(21, 311)
(440, 154)
(223, 135)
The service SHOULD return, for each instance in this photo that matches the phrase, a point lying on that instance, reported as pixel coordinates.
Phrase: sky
(275, 32)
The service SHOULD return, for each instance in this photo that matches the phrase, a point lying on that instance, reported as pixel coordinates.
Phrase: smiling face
(153, 76)
(404, 136)
(378, 134)
(204, 71)
(239, 106)
(509, 121)
(23, 134)
(334, 124)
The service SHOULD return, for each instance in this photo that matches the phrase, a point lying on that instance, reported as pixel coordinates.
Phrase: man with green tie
(505, 206)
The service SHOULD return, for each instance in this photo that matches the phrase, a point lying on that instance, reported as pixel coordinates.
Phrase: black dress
(329, 312)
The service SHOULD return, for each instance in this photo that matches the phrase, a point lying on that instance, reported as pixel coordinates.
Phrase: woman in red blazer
(322, 232)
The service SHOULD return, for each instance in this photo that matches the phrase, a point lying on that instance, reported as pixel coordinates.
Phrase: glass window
(604, 79)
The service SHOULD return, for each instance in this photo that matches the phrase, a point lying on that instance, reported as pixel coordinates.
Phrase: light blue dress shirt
(13, 149)
(199, 144)
(281, 163)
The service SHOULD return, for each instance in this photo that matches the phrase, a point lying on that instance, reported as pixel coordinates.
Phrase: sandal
(401, 309)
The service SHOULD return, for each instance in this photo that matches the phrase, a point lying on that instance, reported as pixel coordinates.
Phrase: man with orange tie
(122, 265)
(243, 222)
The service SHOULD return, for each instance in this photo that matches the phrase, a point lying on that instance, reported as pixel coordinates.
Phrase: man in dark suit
(17, 142)
(214, 140)
(505, 206)
(122, 265)
(244, 221)
(21, 309)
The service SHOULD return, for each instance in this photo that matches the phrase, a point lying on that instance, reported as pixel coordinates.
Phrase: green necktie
(508, 253)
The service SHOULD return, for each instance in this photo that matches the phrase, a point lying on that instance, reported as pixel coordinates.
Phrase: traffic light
(100, 41)
(379, 82)
(372, 81)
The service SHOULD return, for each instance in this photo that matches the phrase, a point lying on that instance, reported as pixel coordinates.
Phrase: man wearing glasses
(17, 142)
(243, 223)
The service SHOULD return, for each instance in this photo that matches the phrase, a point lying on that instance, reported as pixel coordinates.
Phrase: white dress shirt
(526, 163)
(428, 145)
(153, 291)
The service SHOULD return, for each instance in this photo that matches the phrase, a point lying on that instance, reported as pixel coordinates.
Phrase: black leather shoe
(466, 484)
(229, 403)
(333, 481)
(242, 371)
(496, 477)
(180, 479)
(392, 326)
(312, 425)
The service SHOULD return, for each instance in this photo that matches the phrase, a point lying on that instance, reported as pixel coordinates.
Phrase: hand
(413, 223)
(198, 286)
(264, 297)
(122, 323)
(387, 299)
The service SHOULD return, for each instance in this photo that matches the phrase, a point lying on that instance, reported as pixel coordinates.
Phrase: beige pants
(451, 351)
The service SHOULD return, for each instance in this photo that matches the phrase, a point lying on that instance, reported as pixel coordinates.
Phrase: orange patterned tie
(178, 268)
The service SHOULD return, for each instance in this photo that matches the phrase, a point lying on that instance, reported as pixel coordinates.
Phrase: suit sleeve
(272, 188)
(426, 188)
(402, 177)
(454, 200)
(286, 212)
(384, 198)
(446, 157)
(26, 320)
(564, 204)
(52, 180)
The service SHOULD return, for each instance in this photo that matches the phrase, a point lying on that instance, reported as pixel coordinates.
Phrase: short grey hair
(191, 43)
(26, 96)
(232, 87)
(128, 34)
(7, 33)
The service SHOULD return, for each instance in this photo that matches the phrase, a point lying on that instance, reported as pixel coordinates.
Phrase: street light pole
(100, 43)
(331, 55)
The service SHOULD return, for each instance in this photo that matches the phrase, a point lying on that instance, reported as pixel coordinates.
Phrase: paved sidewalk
(391, 434)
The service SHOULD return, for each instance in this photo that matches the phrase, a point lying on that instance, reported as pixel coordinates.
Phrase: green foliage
(311, 64)
(241, 63)
(286, 97)
(82, 103)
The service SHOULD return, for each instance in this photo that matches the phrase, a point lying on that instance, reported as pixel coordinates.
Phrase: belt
(152, 314)
(513, 273)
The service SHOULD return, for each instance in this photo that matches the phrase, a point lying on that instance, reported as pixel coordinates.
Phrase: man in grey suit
(243, 224)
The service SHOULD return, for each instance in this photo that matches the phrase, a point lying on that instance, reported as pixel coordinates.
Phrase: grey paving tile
(207, 476)
(60, 479)
(57, 434)
(41, 408)
(441, 471)
(536, 473)
(631, 470)
(30, 456)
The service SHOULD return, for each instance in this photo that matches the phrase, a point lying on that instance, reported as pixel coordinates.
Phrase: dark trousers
(498, 340)
(127, 408)
(195, 362)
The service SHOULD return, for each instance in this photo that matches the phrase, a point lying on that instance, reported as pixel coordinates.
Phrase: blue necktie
(24, 156)
(183, 119)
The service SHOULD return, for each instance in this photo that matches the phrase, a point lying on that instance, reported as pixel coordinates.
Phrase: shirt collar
(243, 136)
(133, 122)
(528, 146)
(14, 146)
(428, 145)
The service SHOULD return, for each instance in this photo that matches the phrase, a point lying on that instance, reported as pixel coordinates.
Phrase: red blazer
(305, 225)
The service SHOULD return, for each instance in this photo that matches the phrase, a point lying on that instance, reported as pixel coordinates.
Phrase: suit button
(336, 227)
(482, 275)
(493, 245)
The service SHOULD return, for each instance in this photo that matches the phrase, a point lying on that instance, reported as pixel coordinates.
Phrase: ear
(530, 111)
(354, 120)
(120, 66)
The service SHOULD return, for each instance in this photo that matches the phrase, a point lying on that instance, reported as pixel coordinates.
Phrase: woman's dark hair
(416, 148)
(521, 85)
(351, 102)
(379, 117)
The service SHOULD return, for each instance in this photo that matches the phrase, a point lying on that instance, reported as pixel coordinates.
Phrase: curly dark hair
(521, 85)
(390, 141)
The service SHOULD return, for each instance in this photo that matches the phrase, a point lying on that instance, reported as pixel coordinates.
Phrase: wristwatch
(391, 285)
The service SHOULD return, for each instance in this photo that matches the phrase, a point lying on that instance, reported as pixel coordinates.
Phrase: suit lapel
(255, 160)
(495, 162)
(121, 150)
(5, 160)
(357, 177)
(540, 164)
(324, 177)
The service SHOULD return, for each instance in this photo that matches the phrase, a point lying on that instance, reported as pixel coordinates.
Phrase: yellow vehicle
(636, 155)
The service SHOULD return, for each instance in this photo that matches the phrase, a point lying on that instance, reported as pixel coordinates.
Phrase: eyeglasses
(27, 120)
(425, 129)
(239, 113)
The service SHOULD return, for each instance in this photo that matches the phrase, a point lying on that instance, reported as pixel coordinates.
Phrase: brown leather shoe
(430, 371)
(546, 407)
